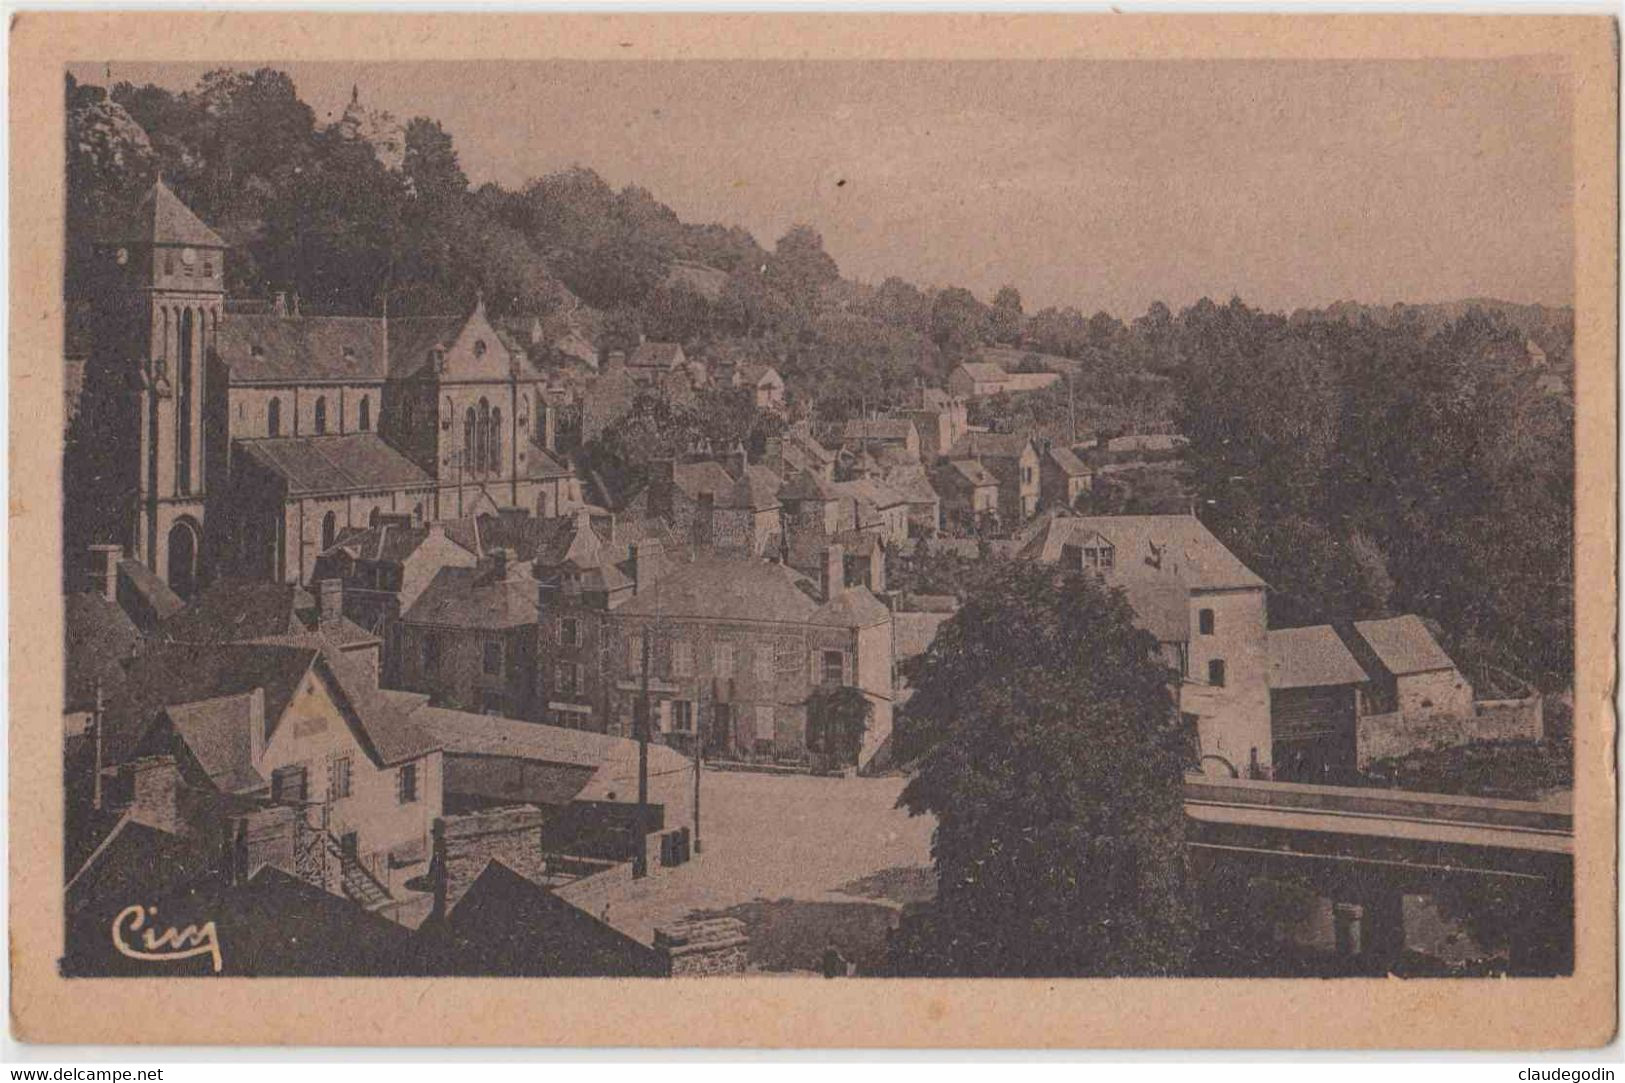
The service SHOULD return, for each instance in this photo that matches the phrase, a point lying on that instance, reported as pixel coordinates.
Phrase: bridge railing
(1554, 814)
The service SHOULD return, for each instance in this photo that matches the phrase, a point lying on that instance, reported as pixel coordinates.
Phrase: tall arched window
(482, 453)
(366, 414)
(470, 423)
(183, 408)
(273, 418)
(321, 414)
(330, 525)
(496, 441)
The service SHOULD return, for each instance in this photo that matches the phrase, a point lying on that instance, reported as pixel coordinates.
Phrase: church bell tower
(162, 295)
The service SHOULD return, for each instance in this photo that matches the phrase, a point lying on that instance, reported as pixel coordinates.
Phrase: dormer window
(479, 347)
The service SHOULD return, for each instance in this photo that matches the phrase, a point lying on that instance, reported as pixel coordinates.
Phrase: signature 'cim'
(166, 945)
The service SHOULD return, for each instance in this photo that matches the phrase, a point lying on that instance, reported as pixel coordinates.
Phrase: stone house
(894, 432)
(1062, 478)
(1207, 611)
(1013, 460)
(729, 506)
(1316, 687)
(736, 646)
(469, 641)
(204, 727)
(385, 567)
(967, 490)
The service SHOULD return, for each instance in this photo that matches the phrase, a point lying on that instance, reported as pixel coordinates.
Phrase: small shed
(1313, 680)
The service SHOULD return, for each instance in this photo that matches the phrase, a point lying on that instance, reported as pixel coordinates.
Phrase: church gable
(477, 352)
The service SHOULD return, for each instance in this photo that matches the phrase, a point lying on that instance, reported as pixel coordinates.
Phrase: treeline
(1364, 469)
(1363, 460)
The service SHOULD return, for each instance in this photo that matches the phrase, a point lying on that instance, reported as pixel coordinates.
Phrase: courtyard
(807, 863)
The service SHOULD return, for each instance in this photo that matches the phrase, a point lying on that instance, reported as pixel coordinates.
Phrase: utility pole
(697, 755)
(640, 723)
(96, 721)
(1071, 413)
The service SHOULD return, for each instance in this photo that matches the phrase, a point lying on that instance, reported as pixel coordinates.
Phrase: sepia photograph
(835, 518)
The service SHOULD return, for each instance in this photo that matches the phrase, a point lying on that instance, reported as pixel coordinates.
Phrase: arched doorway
(183, 547)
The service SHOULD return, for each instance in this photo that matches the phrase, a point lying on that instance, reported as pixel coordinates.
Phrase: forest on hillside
(1362, 459)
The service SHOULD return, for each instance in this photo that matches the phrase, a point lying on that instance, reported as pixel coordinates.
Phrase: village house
(893, 432)
(728, 506)
(385, 567)
(983, 379)
(797, 451)
(1206, 610)
(968, 493)
(765, 384)
(1315, 690)
(198, 729)
(469, 641)
(1013, 460)
(939, 418)
(1062, 478)
(876, 508)
(735, 647)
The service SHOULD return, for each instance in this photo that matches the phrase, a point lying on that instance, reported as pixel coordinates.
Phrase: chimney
(499, 563)
(833, 577)
(331, 601)
(736, 461)
(104, 570)
(648, 556)
(157, 793)
(279, 304)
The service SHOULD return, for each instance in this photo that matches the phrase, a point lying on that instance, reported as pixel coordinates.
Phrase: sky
(1097, 184)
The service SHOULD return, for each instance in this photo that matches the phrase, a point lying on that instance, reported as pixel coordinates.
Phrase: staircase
(360, 886)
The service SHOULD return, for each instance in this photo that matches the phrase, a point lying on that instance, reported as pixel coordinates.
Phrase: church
(255, 437)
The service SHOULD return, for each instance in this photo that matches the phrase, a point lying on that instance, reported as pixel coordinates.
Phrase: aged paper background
(1531, 1013)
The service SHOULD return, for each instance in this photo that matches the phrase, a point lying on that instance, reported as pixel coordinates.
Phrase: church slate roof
(412, 340)
(161, 218)
(303, 349)
(333, 464)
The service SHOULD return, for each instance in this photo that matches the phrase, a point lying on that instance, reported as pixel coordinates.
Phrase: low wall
(1379, 736)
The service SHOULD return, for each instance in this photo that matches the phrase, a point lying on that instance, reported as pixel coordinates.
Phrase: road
(805, 862)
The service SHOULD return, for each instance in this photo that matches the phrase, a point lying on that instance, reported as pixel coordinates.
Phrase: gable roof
(970, 472)
(1311, 658)
(161, 218)
(804, 485)
(244, 610)
(854, 607)
(662, 355)
(98, 637)
(411, 340)
(170, 674)
(475, 598)
(1148, 546)
(1404, 645)
(870, 491)
(990, 445)
(387, 730)
(1068, 463)
(334, 464)
(880, 428)
(219, 734)
(392, 543)
(151, 593)
(984, 371)
(302, 349)
(725, 588)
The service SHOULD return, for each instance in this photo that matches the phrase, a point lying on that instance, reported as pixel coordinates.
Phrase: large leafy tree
(1049, 751)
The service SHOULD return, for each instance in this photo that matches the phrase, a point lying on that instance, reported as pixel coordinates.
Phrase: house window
(321, 414)
(682, 716)
(1204, 622)
(1026, 475)
(834, 667)
(634, 653)
(479, 347)
(338, 779)
(366, 414)
(1215, 673)
(569, 679)
(682, 659)
(723, 660)
(288, 785)
(569, 631)
(764, 725)
(273, 418)
(764, 664)
(407, 784)
(493, 657)
(431, 652)
(1193, 742)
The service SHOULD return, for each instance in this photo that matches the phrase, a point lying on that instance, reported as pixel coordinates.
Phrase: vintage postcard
(807, 531)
